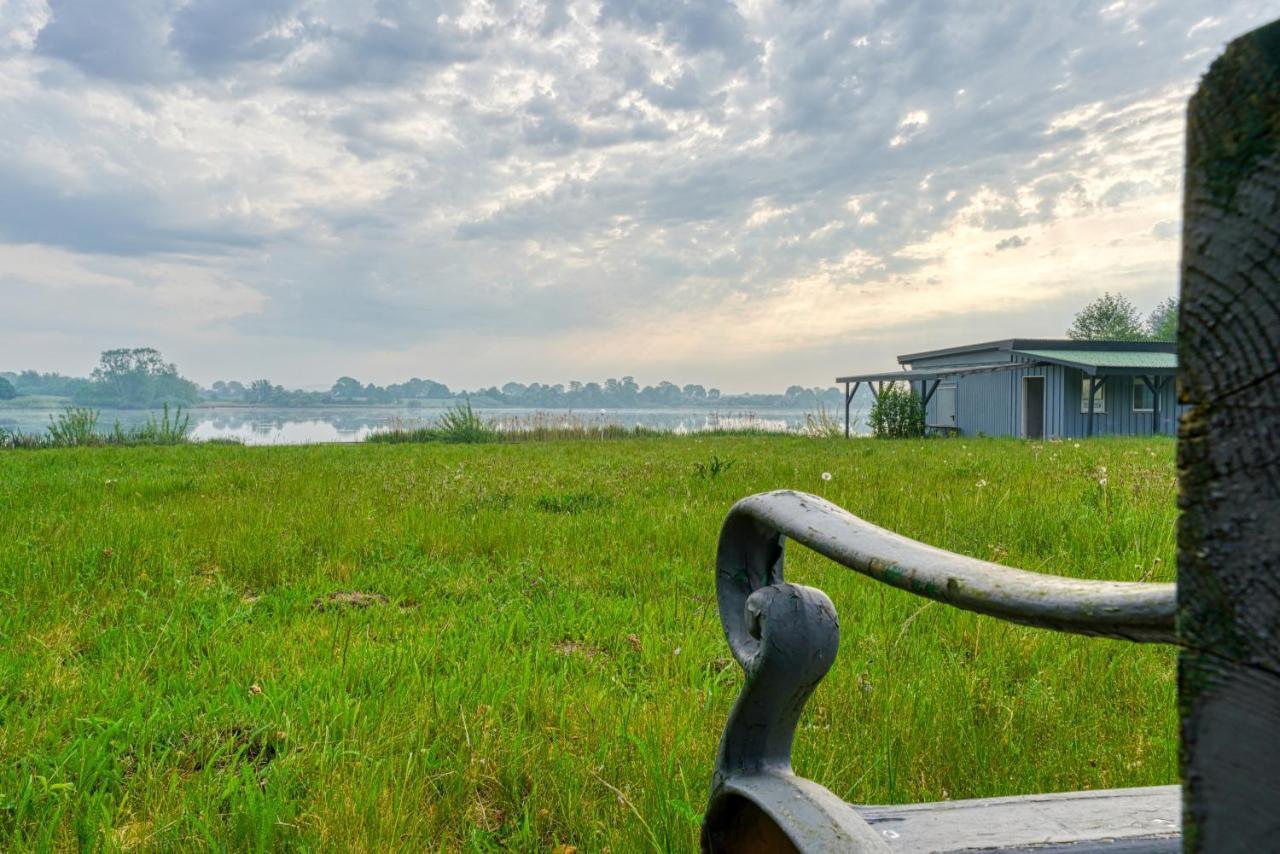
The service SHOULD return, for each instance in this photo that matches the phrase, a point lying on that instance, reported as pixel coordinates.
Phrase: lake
(299, 426)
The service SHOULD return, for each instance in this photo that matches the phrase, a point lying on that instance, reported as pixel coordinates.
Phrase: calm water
(352, 424)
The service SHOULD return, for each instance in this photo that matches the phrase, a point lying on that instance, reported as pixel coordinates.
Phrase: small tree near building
(1162, 323)
(897, 414)
(1108, 318)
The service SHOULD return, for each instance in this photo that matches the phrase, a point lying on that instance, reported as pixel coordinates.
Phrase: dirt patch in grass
(572, 647)
(348, 599)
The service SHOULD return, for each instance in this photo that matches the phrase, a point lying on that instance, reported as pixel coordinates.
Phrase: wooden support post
(1093, 393)
(929, 396)
(847, 399)
(1229, 454)
(1153, 383)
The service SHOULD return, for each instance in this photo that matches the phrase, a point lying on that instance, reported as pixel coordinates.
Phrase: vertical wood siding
(1119, 419)
(991, 404)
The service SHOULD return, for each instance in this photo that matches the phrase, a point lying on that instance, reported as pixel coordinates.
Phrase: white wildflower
(826, 475)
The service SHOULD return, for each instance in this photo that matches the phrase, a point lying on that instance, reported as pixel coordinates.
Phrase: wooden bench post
(1229, 454)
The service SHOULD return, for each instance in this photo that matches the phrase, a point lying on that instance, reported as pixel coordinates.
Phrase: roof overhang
(931, 373)
(1043, 344)
(1111, 362)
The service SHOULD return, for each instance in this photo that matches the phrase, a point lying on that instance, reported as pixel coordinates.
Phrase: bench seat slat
(1111, 820)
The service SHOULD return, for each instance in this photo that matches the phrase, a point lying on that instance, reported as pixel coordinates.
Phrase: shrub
(897, 414)
(823, 424)
(166, 431)
(75, 426)
(460, 423)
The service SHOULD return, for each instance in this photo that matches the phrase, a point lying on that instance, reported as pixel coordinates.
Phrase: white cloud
(595, 188)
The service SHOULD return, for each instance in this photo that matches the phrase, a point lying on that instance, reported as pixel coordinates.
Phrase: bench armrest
(785, 637)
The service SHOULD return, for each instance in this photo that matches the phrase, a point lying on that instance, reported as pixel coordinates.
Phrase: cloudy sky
(746, 195)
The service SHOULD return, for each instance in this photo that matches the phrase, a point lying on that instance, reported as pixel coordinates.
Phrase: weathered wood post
(1094, 383)
(1229, 454)
(848, 398)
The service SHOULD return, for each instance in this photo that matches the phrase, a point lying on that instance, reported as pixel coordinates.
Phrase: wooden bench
(1223, 614)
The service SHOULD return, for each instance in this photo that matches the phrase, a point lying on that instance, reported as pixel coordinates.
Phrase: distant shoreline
(41, 402)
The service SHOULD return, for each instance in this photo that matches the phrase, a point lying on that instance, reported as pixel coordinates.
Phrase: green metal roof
(1131, 360)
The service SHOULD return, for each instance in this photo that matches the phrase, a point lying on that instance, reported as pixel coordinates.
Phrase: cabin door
(1033, 407)
(946, 398)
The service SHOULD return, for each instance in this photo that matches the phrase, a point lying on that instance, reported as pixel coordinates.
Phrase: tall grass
(516, 647)
(75, 426)
(78, 427)
(823, 424)
(163, 431)
(462, 425)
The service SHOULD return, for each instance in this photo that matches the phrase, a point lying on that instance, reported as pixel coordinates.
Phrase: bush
(165, 431)
(75, 426)
(460, 423)
(897, 414)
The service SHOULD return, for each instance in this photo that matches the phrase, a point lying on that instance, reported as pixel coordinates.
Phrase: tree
(347, 388)
(260, 391)
(897, 414)
(7, 391)
(1108, 318)
(1162, 323)
(137, 377)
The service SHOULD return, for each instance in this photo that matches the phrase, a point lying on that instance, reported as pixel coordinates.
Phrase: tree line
(141, 379)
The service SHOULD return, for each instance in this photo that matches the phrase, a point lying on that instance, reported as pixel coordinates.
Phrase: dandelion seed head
(826, 475)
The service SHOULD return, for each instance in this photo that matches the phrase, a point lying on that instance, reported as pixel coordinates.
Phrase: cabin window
(1143, 399)
(1099, 397)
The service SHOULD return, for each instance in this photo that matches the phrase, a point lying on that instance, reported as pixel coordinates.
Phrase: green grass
(547, 667)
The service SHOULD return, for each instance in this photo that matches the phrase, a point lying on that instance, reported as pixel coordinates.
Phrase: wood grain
(1229, 454)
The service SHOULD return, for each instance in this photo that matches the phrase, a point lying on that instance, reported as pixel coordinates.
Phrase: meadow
(515, 646)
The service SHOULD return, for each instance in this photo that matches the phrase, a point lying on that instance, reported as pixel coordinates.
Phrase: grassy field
(547, 667)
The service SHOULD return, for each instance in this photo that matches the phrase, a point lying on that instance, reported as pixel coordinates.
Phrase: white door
(946, 397)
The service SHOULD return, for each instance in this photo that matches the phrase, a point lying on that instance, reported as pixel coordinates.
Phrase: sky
(747, 195)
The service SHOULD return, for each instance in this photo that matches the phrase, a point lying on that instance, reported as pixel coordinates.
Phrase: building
(1039, 388)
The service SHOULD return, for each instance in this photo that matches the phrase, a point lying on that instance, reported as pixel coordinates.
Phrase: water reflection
(306, 426)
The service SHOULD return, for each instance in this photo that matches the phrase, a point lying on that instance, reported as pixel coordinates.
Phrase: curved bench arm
(750, 557)
(785, 637)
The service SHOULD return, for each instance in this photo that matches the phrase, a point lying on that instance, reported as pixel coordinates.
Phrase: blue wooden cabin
(1039, 388)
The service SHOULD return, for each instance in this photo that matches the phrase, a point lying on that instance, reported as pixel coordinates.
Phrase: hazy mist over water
(293, 426)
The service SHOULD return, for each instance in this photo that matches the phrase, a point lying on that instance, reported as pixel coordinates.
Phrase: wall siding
(1119, 419)
(991, 404)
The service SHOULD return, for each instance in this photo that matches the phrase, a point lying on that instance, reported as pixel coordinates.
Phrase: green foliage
(7, 391)
(460, 424)
(823, 424)
(164, 431)
(136, 379)
(897, 414)
(49, 384)
(1162, 323)
(549, 639)
(714, 468)
(10, 439)
(75, 426)
(1108, 318)
(78, 427)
